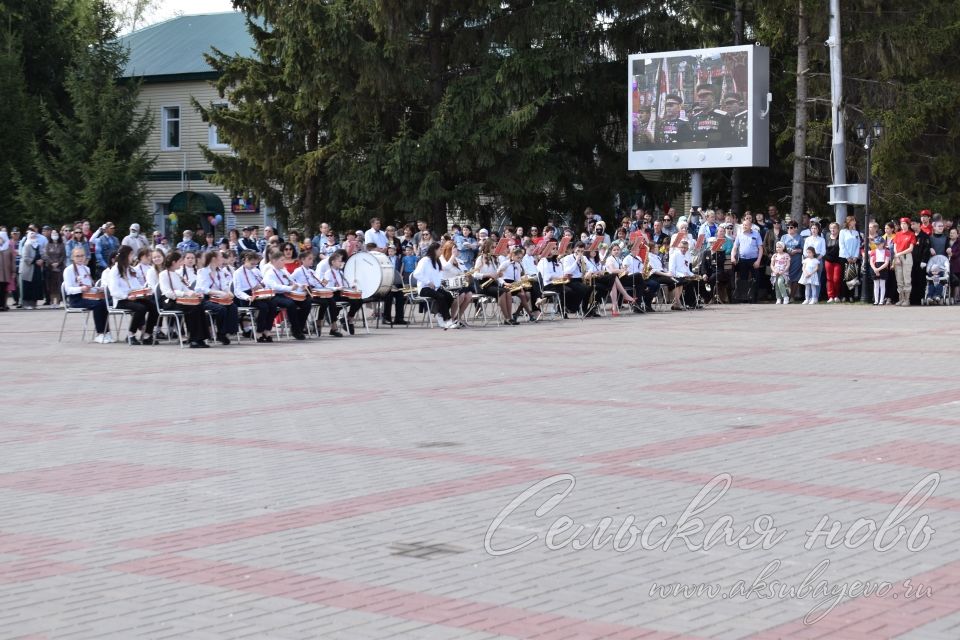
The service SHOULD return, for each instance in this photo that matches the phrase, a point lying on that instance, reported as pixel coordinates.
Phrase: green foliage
(353, 108)
(92, 163)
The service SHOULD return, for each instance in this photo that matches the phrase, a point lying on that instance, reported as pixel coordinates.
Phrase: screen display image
(698, 109)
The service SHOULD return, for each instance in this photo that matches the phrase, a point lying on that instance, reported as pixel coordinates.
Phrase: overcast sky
(166, 9)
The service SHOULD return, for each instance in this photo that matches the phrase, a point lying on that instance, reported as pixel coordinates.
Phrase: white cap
(135, 227)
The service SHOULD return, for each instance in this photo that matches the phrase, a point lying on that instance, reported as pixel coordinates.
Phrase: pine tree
(94, 164)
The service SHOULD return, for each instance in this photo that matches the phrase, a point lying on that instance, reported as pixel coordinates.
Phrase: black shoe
(224, 340)
(400, 322)
(161, 335)
(299, 336)
(386, 321)
(335, 333)
(146, 340)
(512, 321)
(133, 342)
(263, 339)
(351, 329)
(199, 345)
(248, 334)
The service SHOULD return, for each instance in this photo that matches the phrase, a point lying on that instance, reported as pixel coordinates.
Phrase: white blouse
(212, 280)
(173, 286)
(75, 277)
(244, 280)
(427, 275)
(549, 270)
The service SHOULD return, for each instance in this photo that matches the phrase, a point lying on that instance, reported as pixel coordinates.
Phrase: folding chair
(170, 314)
(549, 299)
(251, 314)
(113, 312)
(68, 311)
(416, 302)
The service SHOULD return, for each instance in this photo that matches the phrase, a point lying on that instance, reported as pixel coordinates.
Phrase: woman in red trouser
(833, 264)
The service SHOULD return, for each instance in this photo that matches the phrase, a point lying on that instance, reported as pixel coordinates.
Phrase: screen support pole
(696, 188)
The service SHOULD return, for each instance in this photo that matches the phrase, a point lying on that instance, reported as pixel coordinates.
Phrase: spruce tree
(95, 163)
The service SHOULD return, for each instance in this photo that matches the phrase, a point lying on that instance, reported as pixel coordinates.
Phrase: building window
(170, 129)
(214, 141)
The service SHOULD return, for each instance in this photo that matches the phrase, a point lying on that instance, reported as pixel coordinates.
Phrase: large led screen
(699, 109)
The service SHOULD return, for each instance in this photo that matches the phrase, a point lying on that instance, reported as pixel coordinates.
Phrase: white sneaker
(109, 338)
(779, 301)
(814, 301)
(100, 339)
(786, 301)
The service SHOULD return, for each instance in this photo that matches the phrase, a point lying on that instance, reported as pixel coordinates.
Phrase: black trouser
(442, 299)
(98, 307)
(193, 317)
(143, 310)
(266, 311)
(535, 293)
(581, 293)
(325, 306)
(569, 297)
(3, 294)
(645, 290)
(746, 272)
(225, 316)
(297, 312)
(355, 305)
(394, 297)
(603, 285)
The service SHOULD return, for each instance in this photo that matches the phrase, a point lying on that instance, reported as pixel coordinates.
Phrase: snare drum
(93, 294)
(225, 301)
(297, 296)
(351, 294)
(262, 293)
(322, 294)
(136, 294)
(189, 301)
(456, 283)
(372, 272)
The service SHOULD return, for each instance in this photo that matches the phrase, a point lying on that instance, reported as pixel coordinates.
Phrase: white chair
(112, 311)
(176, 316)
(415, 301)
(251, 314)
(68, 311)
(550, 299)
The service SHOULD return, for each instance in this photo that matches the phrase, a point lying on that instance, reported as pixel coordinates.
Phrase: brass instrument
(525, 282)
(561, 281)
(647, 268)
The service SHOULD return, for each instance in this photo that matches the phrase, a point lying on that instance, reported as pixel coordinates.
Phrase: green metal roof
(166, 50)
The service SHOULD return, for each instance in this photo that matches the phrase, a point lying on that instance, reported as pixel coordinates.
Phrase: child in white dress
(810, 277)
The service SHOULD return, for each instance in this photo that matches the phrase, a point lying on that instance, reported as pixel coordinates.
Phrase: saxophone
(647, 268)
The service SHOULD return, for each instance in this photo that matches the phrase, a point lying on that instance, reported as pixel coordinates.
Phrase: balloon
(218, 219)
(210, 219)
(173, 218)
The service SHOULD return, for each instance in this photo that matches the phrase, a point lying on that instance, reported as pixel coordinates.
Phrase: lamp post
(869, 137)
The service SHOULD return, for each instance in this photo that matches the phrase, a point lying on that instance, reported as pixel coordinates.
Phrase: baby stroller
(938, 281)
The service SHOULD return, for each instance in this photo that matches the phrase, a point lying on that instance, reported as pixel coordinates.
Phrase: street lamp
(869, 138)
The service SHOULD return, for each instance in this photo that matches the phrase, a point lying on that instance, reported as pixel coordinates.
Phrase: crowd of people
(686, 261)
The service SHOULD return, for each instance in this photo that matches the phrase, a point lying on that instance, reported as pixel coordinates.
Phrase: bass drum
(372, 273)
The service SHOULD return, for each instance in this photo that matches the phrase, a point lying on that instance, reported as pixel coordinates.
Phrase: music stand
(502, 248)
(564, 244)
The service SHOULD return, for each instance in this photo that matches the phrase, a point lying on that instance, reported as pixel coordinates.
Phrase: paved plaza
(423, 484)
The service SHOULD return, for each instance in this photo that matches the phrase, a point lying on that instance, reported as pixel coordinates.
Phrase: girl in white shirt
(122, 279)
(189, 269)
(451, 267)
(275, 277)
(173, 288)
(246, 280)
(77, 281)
(810, 276)
(214, 280)
(614, 266)
(428, 275)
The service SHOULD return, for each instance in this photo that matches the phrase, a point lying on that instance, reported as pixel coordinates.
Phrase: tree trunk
(735, 175)
(800, 128)
(438, 13)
